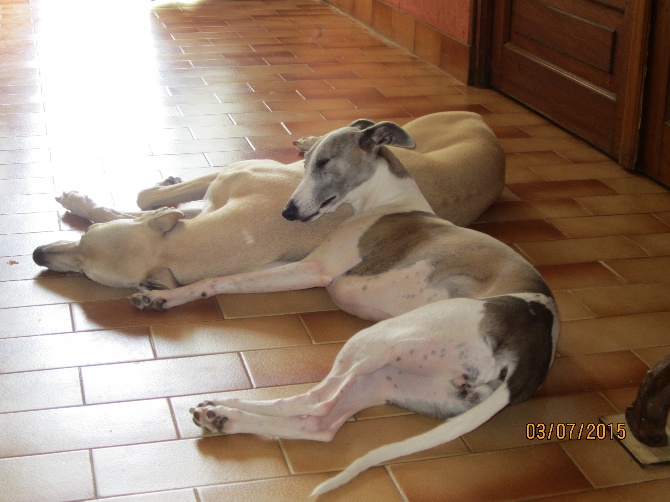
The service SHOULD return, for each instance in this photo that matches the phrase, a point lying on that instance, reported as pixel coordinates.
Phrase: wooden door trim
(651, 160)
(629, 146)
(481, 50)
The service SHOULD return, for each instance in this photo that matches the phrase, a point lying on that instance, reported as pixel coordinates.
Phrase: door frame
(481, 54)
(657, 93)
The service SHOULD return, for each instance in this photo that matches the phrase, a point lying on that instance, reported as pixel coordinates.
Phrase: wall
(438, 31)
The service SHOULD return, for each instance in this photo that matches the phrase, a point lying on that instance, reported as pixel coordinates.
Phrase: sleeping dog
(466, 328)
(457, 163)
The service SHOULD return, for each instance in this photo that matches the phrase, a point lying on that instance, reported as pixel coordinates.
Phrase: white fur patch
(248, 238)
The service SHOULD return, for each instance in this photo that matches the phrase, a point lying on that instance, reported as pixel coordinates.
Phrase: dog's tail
(448, 431)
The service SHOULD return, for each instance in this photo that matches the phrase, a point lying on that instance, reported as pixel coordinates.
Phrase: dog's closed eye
(321, 163)
(328, 201)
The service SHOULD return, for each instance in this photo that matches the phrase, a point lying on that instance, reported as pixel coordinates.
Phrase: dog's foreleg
(84, 207)
(292, 276)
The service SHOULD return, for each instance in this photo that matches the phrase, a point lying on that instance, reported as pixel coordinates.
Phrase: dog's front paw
(151, 300)
(64, 199)
(305, 143)
(76, 203)
(209, 417)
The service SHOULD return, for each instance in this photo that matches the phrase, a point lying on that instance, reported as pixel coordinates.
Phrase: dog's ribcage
(409, 260)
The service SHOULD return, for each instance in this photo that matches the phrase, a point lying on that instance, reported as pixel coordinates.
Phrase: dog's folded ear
(362, 124)
(163, 220)
(385, 133)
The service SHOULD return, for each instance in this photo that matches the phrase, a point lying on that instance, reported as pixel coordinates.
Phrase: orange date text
(561, 431)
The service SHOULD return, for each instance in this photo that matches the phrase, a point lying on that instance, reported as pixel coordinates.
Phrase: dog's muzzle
(38, 256)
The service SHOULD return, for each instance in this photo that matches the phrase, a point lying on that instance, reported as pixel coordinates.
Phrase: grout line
(93, 478)
(395, 482)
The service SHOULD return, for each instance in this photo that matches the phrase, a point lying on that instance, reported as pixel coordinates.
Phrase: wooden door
(655, 145)
(578, 62)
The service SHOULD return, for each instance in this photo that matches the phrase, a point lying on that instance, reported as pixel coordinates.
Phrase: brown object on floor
(647, 417)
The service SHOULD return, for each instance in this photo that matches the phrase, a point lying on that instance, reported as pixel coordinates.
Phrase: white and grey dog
(457, 163)
(467, 325)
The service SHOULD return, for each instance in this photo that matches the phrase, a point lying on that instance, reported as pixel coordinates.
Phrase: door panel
(655, 151)
(540, 29)
(569, 60)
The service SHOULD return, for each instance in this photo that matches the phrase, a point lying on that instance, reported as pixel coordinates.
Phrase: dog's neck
(390, 189)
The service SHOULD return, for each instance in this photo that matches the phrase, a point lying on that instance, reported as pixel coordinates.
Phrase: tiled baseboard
(430, 44)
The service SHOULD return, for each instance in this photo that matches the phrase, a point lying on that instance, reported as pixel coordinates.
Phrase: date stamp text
(588, 431)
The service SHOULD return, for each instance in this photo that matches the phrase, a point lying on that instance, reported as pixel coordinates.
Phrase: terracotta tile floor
(108, 97)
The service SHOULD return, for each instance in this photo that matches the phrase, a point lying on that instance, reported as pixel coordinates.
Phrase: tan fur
(457, 162)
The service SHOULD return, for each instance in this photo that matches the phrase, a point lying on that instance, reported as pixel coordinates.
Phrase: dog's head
(338, 163)
(119, 253)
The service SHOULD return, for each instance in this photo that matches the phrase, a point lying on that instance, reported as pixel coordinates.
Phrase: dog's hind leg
(173, 191)
(362, 356)
(363, 393)
(318, 401)
(359, 379)
(370, 355)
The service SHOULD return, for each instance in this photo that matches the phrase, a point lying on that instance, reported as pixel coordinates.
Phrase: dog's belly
(441, 395)
(395, 292)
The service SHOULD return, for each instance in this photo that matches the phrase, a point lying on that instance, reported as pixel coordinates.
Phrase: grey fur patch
(331, 170)
(520, 331)
(391, 239)
(384, 133)
(459, 262)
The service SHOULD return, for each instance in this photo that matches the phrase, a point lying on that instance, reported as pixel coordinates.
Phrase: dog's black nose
(38, 256)
(290, 212)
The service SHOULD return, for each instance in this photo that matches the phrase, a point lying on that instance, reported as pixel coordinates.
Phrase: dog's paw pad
(209, 417)
(139, 300)
(146, 300)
